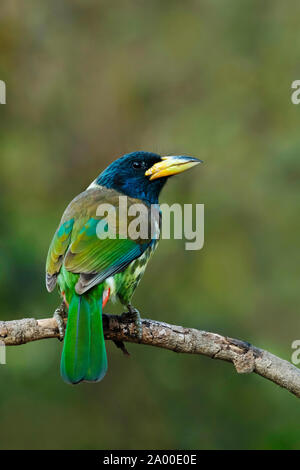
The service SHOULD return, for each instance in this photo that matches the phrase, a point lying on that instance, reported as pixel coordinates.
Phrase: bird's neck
(143, 190)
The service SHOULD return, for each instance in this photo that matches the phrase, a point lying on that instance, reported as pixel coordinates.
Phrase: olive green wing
(97, 258)
(56, 253)
(82, 243)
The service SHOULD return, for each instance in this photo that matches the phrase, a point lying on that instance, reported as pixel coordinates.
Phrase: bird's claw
(133, 316)
(121, 346)
(59, 316)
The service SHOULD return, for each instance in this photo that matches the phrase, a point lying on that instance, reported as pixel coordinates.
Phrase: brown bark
(245, 357)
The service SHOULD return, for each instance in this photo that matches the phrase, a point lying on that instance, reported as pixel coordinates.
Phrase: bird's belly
(110, 286)
(126, 282)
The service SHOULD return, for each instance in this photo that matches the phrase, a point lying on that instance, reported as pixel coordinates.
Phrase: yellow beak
(169, 166)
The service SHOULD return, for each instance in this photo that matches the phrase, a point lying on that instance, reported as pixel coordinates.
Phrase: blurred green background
(89, 81)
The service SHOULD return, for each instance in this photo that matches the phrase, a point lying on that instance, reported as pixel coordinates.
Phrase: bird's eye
(137, 165)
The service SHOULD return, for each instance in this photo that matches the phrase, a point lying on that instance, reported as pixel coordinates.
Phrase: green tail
(84, 353)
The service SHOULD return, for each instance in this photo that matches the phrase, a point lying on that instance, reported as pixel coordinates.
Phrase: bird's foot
(60, 315)
(133, 316)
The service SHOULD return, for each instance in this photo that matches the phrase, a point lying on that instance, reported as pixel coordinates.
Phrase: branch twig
(245, 357)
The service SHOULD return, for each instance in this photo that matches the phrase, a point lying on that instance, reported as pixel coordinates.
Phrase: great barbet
(93, 262)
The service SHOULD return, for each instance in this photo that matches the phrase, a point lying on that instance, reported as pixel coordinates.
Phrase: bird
(89, 267)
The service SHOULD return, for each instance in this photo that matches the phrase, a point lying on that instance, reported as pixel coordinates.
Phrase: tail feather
(84, 353)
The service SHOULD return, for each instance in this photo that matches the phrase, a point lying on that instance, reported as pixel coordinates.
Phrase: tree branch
(245, 357)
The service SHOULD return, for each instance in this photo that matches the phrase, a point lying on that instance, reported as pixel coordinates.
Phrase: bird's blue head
(142, 175)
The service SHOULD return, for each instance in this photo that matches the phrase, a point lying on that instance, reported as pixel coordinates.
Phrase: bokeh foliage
(89, 81)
